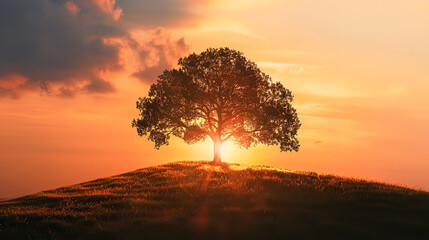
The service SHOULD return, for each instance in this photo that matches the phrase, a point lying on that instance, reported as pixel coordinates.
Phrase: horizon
(72, 71)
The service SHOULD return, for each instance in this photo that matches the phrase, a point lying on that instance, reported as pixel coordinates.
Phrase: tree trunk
(217, 147)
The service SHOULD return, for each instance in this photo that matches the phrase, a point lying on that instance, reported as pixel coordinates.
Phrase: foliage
(220, 94)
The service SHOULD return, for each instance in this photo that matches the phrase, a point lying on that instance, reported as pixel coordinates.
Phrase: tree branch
(175, 120)
(231, 134)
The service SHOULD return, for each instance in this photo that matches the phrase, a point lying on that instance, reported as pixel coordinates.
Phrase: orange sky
(358, 70)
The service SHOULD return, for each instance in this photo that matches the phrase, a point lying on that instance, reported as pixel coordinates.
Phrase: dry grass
(199, 200)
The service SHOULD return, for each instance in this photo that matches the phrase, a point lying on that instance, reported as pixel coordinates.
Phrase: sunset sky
(72, 70)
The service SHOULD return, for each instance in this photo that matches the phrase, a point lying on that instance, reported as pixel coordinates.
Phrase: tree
(220, 94)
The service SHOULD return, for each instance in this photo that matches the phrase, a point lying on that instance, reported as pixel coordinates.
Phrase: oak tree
(221, 95)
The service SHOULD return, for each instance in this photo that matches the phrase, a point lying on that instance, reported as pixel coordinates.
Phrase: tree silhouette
(220, 94)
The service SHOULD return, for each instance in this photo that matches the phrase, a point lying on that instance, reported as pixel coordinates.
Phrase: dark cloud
(48, 44)
(65, 47)
(66, 93)
(166, 13)
(99, 86)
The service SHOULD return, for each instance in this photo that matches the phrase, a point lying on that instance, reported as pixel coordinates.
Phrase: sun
(229, 151)
(224, 150)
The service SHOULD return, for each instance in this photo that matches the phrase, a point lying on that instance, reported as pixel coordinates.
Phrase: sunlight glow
(229, 152)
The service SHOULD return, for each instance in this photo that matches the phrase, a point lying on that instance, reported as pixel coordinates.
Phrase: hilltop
(185, 200)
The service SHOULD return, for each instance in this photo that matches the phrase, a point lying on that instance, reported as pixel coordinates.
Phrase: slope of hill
(185, 200)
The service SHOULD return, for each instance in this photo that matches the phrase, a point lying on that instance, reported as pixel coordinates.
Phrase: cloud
(99, 86)
(56, 43)
(70, 47)
(166, 13)
(108, 6)
(282, 67)
(157, 54)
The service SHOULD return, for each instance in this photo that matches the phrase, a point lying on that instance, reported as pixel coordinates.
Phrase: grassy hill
(185, 200)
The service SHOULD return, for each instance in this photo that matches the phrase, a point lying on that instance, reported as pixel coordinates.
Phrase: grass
(188, 200)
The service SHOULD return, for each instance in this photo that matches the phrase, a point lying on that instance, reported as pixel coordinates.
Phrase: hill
(186, 200)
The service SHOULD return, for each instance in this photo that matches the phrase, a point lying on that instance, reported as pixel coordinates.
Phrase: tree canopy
(222, 95)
